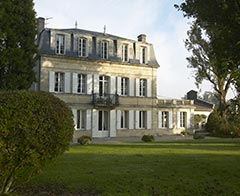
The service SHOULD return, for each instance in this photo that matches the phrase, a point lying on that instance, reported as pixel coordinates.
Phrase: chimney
(40, 24)
(142, 38)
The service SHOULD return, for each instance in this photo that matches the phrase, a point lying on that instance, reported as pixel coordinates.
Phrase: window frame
(125, 52)
(142, 124)
(103, 120)
(104, 49)
(142, 87)
(124, 119)
(183, 119)
(81, 83)
(59, 82)
(165, 119)
(82, 47)
(124, 86)
(143, 55)
(60, 44)
(81, 119)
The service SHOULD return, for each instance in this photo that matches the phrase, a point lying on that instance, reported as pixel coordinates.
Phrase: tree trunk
(6, 187)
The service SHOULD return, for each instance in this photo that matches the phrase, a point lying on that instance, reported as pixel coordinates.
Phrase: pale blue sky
(164, 26)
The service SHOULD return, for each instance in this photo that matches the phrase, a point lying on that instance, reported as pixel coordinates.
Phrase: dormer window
(82, 47)
(104, 50)
(143, 55)
(125, 53)
(60, 44)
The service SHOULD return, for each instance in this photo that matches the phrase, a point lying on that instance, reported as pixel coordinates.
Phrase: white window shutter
(178, 119)
(74, 111)
(113, 123)
(170, 120)
(118, 119)
(188, 120)
(89, 84)
(112, 85)
(95, 123)
(51, 81)
(149, 119)
(89, 118)
(75, 82)
(96, 83)
(131, 121)
(149, 87)
(67, 82)
(131, 86)
(137, 119)
(137, 87)
(159, 119)
(119, 85)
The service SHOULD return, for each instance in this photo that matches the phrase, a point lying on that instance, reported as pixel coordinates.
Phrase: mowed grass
(184, 168)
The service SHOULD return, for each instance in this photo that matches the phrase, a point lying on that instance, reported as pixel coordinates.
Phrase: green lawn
(184, 168)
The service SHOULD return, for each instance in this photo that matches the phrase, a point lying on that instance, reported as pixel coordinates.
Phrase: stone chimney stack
(142, 38)
(40, 24)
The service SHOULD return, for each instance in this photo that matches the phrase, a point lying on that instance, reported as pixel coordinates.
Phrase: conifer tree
(17, 44)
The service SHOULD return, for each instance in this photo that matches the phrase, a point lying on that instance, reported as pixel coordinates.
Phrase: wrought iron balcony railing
(105, 100)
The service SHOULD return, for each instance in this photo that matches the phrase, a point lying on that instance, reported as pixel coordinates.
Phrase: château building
(109, 82)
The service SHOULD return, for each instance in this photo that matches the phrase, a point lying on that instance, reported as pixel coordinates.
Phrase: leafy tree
(35, 127)
(215, 43)
(17, 47)
(210, 97)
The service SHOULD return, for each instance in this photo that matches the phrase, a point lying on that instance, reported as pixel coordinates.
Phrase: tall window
(125, 53)
(103, 85)
(142, 87)
(124, 119)
(183, 119)
(124, 86)
(104, 50)
(143, 54)
(59, 82)
(81, 119)
(103, 120)
(82, 47)
(165, 118)
(60, 44)
(81, 83)
(142, 119)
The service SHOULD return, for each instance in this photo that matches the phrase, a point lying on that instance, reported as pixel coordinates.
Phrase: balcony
(106, 100)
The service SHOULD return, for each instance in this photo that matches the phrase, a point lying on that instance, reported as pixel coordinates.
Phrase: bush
(84, 140)
(148, 138)
(35, 127)
(197, 136)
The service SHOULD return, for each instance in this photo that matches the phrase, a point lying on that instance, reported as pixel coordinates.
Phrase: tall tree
(17, 44)
(215, 43)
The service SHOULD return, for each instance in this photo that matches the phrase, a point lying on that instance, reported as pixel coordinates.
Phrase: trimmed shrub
(84, 140)
(148, 138)
(35, 127)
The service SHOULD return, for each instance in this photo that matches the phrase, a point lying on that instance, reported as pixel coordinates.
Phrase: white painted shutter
(113, 123)
(67, 82)
(51, 81)
(137, 119)
(188, 120)
(74, 111)
(95, 123)
(131, 86)
(89, 122)
(119, 85)
(118, 119)
(170, 120)
(178, 119)
(159, 119)
(96, 83)
(75, 82)
(137, 87)
(89, 84)
(112, 85)
(149, 119)
(149, 88)
(131, 120)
